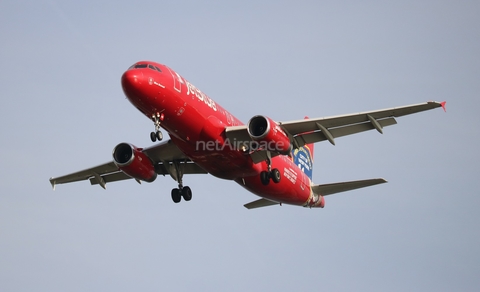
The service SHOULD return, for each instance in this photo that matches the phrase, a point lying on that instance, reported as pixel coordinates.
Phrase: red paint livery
(264, 129)
(272, 160)
(181, 103)
(132, 161)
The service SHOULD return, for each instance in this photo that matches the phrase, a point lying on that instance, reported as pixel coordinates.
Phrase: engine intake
(133, 162)
(264, 129)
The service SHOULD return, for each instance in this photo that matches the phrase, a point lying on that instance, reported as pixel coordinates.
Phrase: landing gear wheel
(264, 178)
(187, 193)
(275, 175)
(176, 196)
(181, 191)
(153, 136)
(159, 135)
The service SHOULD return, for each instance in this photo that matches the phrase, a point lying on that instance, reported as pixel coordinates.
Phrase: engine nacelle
(133, 162)
(263, 129)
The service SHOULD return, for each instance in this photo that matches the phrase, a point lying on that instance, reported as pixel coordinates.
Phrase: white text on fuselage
(290, 174)
(191, 89)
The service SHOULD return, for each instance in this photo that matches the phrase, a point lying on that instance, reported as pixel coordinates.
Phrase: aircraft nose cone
(132, 81)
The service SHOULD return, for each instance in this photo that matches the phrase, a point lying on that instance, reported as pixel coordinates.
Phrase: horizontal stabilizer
(328, 189)
(260, 203)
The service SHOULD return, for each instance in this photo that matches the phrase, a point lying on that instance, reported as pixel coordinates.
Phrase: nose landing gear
(157, 135)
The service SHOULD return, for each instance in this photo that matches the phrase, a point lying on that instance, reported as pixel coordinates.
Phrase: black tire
(153, 136)
(264, 178)
(275, 174)
(187, 193)
(176, 196)
(159, 136)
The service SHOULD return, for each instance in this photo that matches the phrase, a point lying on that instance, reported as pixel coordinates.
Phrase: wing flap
(329, 189)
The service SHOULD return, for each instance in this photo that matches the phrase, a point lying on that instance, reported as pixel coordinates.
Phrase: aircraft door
(177, 80)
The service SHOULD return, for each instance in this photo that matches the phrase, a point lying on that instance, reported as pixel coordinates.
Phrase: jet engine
(133, 162)
(273, 138)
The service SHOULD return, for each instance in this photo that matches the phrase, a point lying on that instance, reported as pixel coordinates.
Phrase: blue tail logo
(303, 158)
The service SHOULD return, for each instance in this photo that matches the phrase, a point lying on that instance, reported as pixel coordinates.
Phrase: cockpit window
(154, 68)
(141, 66)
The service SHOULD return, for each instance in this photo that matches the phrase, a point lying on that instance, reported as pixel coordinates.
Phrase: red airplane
(273, 160)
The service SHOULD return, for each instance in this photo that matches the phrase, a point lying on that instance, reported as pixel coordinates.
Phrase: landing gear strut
(157, 135)
(181, 191)
(273, 174)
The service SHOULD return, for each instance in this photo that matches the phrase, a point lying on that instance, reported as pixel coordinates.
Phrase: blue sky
(63, 110)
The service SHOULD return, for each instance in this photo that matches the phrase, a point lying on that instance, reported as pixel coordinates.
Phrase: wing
(315, 130)
(163, 156)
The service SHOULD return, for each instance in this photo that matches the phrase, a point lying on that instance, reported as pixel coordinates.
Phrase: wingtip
(52, 182)
(444, 105)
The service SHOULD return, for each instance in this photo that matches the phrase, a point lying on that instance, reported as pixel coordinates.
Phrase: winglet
(52, 181)
(444, 105)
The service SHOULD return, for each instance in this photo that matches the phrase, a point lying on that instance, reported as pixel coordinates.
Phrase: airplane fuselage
(196, 124)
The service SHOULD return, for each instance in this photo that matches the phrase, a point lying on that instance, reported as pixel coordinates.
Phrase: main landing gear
(181, 191)
(273, 174)
(157, 135)
(184, 192)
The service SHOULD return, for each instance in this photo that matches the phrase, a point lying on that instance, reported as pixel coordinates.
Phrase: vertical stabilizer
(303, 158)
